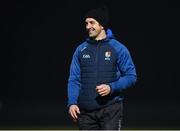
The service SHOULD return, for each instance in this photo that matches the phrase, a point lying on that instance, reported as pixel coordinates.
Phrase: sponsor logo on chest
(86, 56)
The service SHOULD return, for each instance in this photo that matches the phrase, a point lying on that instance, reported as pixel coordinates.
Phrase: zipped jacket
(100, 62)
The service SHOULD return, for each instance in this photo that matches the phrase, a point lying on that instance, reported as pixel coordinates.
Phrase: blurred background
(39, 37)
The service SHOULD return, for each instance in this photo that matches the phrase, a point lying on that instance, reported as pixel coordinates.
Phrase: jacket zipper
(97, 63)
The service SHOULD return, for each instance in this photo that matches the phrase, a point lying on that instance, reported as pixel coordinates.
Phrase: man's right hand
(74, 111)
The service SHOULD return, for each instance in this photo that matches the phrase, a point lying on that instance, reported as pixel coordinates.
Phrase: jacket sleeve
(74, 80)
(127, 70)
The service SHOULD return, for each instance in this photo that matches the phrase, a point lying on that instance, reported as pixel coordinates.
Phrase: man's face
(93, 27)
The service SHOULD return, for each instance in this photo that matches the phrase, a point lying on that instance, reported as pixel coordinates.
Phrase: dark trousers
(107, 118)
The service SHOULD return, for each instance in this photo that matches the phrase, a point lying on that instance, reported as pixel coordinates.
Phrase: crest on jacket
(107, 55)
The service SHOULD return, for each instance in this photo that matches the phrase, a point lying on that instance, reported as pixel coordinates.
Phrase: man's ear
(102, 27)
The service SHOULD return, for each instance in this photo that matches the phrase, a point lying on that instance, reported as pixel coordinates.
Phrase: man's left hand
(103, 89)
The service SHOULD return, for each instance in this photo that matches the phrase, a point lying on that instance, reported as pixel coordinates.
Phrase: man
(101, 69)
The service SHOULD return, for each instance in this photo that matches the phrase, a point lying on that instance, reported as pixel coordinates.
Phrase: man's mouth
(91, 30)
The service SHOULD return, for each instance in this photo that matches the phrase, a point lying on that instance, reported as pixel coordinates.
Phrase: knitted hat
(99, 14)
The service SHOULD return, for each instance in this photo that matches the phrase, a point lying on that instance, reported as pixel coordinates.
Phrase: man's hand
(103, 89)
(74, 111)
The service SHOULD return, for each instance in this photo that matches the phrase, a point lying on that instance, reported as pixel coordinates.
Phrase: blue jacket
(99, 62)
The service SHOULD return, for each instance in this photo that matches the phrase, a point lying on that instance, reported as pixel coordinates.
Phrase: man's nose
(88, 26)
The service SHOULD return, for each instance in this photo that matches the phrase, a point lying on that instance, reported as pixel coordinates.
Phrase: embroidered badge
(107, 55)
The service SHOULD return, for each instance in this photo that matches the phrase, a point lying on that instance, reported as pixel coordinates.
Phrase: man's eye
(92, 22)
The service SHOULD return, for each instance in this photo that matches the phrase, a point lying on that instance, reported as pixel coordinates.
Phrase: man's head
(96, 21)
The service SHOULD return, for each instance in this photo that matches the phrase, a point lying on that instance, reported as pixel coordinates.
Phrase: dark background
(38, 39)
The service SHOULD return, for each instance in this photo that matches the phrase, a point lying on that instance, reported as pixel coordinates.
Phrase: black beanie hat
(100, 14)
